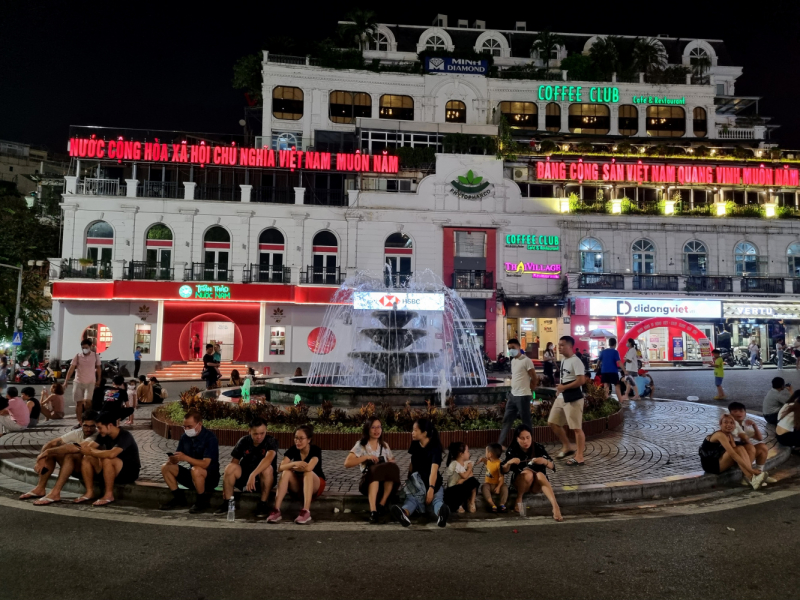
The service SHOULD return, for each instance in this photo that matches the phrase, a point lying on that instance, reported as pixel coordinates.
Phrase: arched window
(492, 46)
(324, 254)
(793, 252)
(455, 111)
(158, 253)
(589, 118)
(520, 114)
(666, 121)
(271, 249)
(552, 117)
(100, 242)
(287, 103)
(699, 121)
(644, 257)
(628, 119)
(397, 107)
(380, 42)
(746, 257)
(216, 256)
(697, 54)
(435, 43)
(591, 253)
(345, 107)
(398, 250)
(695, 258)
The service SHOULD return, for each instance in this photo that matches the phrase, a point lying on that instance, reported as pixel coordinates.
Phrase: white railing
(98, 187)
(741, 133)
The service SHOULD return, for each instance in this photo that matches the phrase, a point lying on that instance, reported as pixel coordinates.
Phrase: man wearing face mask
(86, 366)
(523, 380)
(200, 448)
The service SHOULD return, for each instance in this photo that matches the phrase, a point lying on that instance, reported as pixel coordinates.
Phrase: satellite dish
(242, 122)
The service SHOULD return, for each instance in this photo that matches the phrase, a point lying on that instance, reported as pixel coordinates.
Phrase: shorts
(124, 477)
(185, 479)
(718, 381)
(315, 496)
(710, 464)
(567, 413)
(241, 483)
(82, 391)
(791, 439)
(612, 378)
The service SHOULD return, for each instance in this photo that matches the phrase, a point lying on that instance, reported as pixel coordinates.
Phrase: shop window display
(100, 334)
(142, 333)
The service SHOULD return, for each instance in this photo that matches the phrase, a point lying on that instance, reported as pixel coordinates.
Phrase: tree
(544, 43)
(579, 67)
(360, 28)
(648, 55)
(605, 55)
(247, 76)
(700, 66)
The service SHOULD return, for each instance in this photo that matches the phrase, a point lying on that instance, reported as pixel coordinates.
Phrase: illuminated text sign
(658, 100)
(456, 65)
(536, 271)
(205, 292)
(399, 300)
(638, 307)
(533, 242)
(578, 93)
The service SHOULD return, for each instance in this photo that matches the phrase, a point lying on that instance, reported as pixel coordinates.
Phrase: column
(299, 195)
(689, 110)
(188, 190)
(564, 117)
(541, 109)
(71, 184)
(642, 114)
(131, 187)
(352, 197)
(246, 191)
(614, 110)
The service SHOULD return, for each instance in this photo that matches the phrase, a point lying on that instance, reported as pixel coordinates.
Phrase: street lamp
(16, 311)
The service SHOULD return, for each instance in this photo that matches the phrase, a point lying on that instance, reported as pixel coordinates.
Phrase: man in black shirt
(254, 462)
(112, 458)
(210, 368)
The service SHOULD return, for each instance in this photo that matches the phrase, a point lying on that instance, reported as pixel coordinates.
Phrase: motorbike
(727, 357)
(788, 358)
(111, 368)
(24, 374)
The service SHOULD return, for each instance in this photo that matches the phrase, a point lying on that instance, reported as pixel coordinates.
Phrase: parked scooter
(111, 369)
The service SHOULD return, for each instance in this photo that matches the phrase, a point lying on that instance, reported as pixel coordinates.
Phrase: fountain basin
(395, 318)
(394, 339)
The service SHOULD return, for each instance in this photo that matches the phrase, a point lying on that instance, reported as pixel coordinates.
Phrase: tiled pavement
(659, 440)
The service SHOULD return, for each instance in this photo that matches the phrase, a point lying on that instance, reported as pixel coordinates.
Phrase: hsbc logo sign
(401, 301)
(388, 301)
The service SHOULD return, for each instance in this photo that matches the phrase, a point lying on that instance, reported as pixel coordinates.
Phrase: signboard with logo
(398, 300)
(470, 186)
(705, 350)
(536, 271)
(533, 242)
(645, 307)
(754, 310)
(321, 340)
(438, 64)
(677, 347)
(204, 291)
(578, 93)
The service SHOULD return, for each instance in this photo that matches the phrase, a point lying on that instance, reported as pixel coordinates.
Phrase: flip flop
(82, 500)
(30, 496)
(565, 454)
(102, 502)
(45, 501)
(574, 463)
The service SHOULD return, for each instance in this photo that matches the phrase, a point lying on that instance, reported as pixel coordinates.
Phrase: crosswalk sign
(17, 341)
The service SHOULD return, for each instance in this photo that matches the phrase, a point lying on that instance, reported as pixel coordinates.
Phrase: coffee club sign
(536, 271)
(547, 243)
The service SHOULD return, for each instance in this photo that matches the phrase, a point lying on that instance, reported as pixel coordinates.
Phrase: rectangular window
(141, 337)
(277, 341)
(287, 103)
(589, 118)
(471, 244)
(628, 120)
(520, 114)
(397, 107)
(345, 107)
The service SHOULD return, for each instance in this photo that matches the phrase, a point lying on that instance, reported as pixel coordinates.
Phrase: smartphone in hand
(170, 454)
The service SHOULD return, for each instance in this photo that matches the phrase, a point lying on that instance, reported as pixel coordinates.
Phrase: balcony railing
(208, 272)
(325, 197)
(473, 280)
(84, 269)
(266, 274)
(705, 283)
(668, 283)
(160, 189)
(397, 279)
(144, 270)
(223, 192)
(98, 187)
(741, 133)
(272, 195)
(768, 285)
(322, 276)
(601, 281)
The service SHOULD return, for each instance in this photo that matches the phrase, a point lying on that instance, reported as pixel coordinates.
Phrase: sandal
(493, 509)
(574, 463)
(45, 501)
(503, 508)
(102, 502)
(82, 500)
(565, 454)
(30, 496)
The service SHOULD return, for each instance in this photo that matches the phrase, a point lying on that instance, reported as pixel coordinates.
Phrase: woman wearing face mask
(719, 452)
(86, 366)
(301, 474)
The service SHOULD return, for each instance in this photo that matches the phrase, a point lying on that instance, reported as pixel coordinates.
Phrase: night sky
(168, 65)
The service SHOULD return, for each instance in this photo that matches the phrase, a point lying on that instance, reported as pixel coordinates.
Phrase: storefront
(663, 343)
(534, 324)
(762, 322)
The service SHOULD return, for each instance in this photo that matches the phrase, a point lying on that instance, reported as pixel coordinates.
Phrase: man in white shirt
(567, 411)
(523, 380)
(66, 452)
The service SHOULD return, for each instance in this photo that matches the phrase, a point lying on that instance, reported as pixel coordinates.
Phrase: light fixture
(616, 206)
(537, 304)
(564, 205)
(517, 303)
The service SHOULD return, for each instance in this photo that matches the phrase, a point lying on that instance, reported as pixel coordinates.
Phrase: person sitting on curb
(462, 486)
(379, 473)
(719, 452)
(775, 399)
(113, 458)
(159, 393)
(748, 436)
(64, 451)
(528, 463)
(28, 395)
(235, 379)
(16, 415)
(493, 481)
(144, 391)
(301, 474)
(200, 449)
(424, 491)
(52, 404)
(788, 427)
(254, 463)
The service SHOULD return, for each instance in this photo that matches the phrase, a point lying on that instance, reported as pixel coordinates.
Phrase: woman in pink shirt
(16, 416)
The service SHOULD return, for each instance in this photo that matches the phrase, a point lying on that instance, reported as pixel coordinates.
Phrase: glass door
(215, 265)
(159, 261)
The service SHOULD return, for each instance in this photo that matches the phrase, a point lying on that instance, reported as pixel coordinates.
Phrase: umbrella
(600, 334)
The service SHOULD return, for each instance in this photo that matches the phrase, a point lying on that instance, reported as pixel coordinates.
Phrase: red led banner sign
(202, 154)
(673, 174)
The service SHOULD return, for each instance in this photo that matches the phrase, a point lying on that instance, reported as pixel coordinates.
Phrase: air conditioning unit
(520, 173)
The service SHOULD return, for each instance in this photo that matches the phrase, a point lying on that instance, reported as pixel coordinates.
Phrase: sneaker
(262, 510)
(444, 513)
(274, 516)
(374, 517)
(769, 479)
(400, 516)
(304, 517)
(757, 480)
(201, 505)
(175, 503)
(745, 481)
(222, 509)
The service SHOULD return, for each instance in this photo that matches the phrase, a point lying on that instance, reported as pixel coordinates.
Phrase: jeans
(771, 418)
(780, 360)
(516, 406)
(753, 358)
(416, 490)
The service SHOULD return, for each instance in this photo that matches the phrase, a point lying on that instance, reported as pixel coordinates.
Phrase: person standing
(210, 367)
(86, 366)
(137, 361)
(719, 373)
(609, 367)
(631, 359)
(779, 346)
(549, 363)
(3, 373)
(523, 380)
(796, 350)
(196, 346)
(567, 411)
(753, 350)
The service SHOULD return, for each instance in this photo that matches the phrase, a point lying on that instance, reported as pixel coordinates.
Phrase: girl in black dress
(719, 452)
(528, 463)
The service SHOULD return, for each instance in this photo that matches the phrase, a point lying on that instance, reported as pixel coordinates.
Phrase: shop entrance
(200, 332)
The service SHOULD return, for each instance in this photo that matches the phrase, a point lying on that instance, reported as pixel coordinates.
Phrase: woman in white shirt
(632, 359)
(788, 428)
(379, 472)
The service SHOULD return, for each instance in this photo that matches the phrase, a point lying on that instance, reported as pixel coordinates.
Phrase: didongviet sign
(533, 242)
(204, 291)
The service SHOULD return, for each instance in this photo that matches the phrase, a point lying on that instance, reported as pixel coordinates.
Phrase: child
(719, 373)
(748, 435)
(494, 482)
(461, 485)
(132, 399)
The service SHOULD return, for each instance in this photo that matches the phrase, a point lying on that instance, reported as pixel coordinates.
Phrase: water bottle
(231, 510)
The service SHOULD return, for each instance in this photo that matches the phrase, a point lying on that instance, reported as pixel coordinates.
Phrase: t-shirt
(423, 458)
(631, 360)
(753, 348)
(641, 383)
(86, 367)
(113, 399)
(779, 348)
(571, 368)
(748, 430)
(520, 380)
(786, 417)
(534, 451)
(454, 471)
(493, 475)
(719, 367)
(130, 451)
(250, 455)
(211, 371)
(19, 411)
(137, 355)
(293, 454)
(774, 400)
(75, 436)
(203, 445)
(608, 361)
(360, 451)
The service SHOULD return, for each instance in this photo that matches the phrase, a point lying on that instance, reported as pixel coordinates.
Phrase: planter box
(478, 438)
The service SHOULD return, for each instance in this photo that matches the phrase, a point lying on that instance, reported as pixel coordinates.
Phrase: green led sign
(533, 242)
(577, 93)
(203, 291)
(659, 100)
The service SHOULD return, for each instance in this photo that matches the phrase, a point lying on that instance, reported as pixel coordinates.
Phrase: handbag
(572, 394)
(365, 472)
